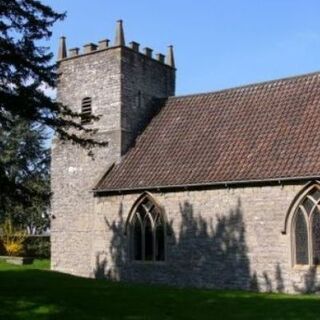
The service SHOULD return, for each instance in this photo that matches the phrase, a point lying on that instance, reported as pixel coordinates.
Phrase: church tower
(120, 84)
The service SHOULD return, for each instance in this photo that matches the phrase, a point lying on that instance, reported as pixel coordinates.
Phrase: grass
(32, 292)
(42, 264)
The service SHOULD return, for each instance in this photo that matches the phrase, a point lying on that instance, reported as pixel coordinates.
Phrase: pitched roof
(257, 132)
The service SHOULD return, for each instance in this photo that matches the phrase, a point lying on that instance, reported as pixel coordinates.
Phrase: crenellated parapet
(122, 84)
(119, 41)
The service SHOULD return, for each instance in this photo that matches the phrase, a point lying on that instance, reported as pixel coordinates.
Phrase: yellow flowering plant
(12, 238)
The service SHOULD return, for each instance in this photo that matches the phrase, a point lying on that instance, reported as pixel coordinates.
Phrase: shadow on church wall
(266, 283)
(310, 282)
(209, 253)
(117, 250)
(202, 253)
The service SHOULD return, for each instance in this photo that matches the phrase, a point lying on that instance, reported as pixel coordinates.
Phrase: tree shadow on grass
(40, 295)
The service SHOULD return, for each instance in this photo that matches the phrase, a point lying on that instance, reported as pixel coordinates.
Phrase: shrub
(2, 249)
(37, 246)
(13, 248)
(12, 239)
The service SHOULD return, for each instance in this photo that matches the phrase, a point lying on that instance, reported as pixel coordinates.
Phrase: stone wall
(222, 238)
(144, 80)
(114, 78)
(74, 173)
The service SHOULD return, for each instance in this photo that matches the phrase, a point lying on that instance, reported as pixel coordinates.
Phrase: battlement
(121, 85)
(92, 48)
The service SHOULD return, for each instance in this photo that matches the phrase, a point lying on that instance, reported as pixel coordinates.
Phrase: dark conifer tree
(26, 68)
(25, 159)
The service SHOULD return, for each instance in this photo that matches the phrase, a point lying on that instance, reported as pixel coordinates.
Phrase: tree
(25, 69)
(25, 160)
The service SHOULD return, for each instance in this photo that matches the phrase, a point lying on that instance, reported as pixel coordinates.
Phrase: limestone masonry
(231, 234)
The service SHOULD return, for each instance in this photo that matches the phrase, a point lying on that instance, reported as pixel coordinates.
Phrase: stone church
(216, 189)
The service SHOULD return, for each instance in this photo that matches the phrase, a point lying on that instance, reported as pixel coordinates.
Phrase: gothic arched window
(306, 228)
(86, 110)
(147, 231)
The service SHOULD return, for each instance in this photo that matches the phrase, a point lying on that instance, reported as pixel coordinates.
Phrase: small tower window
(86, 110)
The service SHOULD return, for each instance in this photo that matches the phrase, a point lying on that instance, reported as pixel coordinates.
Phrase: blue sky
(218, 44)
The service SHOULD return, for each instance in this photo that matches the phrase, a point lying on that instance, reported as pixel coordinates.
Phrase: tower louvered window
(86, 110)
(306, 229)
(147, 232)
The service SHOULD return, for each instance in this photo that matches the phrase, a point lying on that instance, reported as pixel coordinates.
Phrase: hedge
(34, 246)
(37, 246)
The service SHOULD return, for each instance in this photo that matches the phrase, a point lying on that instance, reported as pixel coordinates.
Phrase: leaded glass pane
(147, 204)
(142, 212)
(301, 239)
(147, 229)
(137, 240)
(148, 242)
(154, 213)
(308, 204)
(316, 237)
(315, 194)
(159, 243)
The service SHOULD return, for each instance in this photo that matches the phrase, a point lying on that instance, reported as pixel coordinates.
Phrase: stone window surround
(290, 220)
(146, 195)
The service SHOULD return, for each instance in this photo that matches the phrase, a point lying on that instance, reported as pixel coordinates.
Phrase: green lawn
(34, 293)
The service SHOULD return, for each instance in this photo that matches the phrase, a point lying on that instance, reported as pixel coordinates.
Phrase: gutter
(207, 184)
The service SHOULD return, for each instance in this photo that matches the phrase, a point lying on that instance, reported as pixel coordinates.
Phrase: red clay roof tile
(257, 132)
